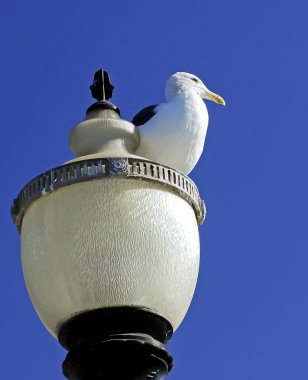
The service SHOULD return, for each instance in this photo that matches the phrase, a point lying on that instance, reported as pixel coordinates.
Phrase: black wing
(144, 115)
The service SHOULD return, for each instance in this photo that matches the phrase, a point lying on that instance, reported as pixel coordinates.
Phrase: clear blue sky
(249, 316)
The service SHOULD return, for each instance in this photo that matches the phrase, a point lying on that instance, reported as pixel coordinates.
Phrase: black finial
(101, 88)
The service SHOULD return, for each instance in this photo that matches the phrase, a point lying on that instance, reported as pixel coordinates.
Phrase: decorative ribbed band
(107, 167)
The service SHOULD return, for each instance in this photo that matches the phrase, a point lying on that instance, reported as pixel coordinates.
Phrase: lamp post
(110, 249)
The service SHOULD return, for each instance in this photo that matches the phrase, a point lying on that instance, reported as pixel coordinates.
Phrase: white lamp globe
(109, 229)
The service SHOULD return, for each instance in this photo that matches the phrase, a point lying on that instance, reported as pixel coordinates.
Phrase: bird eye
(195, 80)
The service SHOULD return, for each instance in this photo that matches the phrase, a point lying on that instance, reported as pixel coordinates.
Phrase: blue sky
(248, 319)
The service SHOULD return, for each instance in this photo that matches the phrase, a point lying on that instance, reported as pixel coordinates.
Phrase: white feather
(175, 135)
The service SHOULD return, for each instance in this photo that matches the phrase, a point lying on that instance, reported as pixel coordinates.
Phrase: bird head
(182, 82)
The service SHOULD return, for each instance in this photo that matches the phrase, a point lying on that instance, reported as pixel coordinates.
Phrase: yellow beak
(214, 97)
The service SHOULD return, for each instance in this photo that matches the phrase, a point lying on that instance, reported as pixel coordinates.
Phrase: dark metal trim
(98, 323)
(116, 343)
(88, 170)
(103, 106)
(118, 357)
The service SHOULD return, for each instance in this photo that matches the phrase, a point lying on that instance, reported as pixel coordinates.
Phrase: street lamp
(110, 249)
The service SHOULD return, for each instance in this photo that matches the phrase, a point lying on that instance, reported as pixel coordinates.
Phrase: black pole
(121, 343)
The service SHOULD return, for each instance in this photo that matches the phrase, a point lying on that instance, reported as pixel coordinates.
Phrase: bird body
(173, 133)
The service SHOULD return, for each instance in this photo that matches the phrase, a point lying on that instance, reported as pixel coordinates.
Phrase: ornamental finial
(101, 88)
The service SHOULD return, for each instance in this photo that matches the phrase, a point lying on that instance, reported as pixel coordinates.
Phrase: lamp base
(118, 357)
(121, 343)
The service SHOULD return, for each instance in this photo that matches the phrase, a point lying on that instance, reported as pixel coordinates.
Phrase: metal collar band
(88, 170)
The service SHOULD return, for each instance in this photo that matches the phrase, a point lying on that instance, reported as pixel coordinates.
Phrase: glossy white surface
(110, 242)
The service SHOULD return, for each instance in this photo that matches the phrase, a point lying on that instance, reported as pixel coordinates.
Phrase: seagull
(173, 133)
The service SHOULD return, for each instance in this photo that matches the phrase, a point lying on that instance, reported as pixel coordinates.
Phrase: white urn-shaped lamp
(110, 249)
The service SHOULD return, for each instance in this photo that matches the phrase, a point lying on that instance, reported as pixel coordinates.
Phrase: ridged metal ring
(94, 169)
